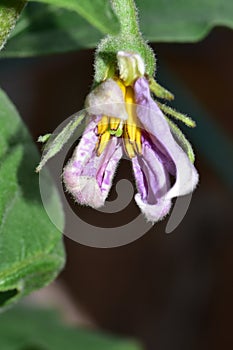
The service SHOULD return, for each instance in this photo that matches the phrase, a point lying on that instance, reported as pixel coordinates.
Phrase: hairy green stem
(127, 15)
(128, 39)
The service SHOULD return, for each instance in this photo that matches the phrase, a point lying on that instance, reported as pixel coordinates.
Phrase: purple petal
(88, 177)
(158, 129)
(153, 183)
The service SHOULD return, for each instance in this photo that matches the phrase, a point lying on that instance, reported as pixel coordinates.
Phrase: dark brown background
(170, 291)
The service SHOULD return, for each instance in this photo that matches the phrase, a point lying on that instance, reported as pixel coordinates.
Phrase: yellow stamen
(129, 147)
(114, 123)
(112, 126)
(103, 125)
(103, 141)
(138, 142)
(131, 124)
(129, 96)
(121, 85)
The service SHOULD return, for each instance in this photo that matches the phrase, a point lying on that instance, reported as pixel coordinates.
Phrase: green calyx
(129, 39)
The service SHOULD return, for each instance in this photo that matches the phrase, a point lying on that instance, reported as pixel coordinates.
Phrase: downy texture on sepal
(129, 39)
(125, 119)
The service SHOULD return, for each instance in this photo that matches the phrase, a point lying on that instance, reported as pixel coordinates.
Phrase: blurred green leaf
(98, 13)
(9, 13)
(31, 250)
(47, 29)
(41, 330)
(183, 21)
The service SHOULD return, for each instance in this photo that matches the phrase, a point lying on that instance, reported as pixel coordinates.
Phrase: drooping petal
(88, 177)
(107, 99)
(156, 126)
(153, 183)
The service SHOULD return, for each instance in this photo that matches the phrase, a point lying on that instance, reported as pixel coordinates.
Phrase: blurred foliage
(49, 29)
(98, 13)
(41, 330)
(31, 249)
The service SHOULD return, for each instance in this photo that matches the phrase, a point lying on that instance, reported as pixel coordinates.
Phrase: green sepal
(55, 144)
(160, 91)
(128, 39)
(43, 138)
(177, 115)
(181, 140)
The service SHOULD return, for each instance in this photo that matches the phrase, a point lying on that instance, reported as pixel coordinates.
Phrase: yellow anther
(129, 95)
(114, 123)
(103, 141)
(138, 141)
(129, 148)
(102, 125)
(131, 123)
(121, 85)
(114, 127)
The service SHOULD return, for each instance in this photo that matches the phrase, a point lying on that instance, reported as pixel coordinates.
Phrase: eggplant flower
(124, 118)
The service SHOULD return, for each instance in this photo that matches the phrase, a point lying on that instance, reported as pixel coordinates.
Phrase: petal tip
(84, 189)
(154, 212)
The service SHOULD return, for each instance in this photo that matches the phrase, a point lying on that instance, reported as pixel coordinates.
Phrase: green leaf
(41, 330)
(183, 21)
(45, 30)
(98, 12)
(9, 13)
(31, 250)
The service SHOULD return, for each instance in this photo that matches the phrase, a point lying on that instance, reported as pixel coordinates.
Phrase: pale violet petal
(107, 99)
(152, 182)
(155, 124)
(154, 212)
(88, 177)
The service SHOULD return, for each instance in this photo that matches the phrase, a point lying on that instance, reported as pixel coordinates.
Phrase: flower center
(128, 130)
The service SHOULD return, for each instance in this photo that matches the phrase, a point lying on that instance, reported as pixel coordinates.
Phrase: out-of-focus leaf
(31, 250)
(45, 30)
(9, 13)
(98, 13)
(41, 330)
(183, 20)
